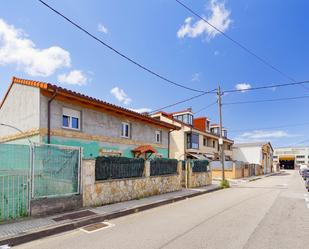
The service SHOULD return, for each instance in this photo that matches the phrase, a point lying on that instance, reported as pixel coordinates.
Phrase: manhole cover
(96, 227)
(74, 216)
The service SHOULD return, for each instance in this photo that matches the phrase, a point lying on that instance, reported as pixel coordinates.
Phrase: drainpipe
(48, 115)
(168, 143)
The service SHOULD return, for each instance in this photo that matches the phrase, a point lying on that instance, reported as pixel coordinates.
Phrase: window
(300, 156)
(300, 162)
(207, 125)
(125, 130)
(70, 118)
(186, 118)
(192, 141)
(205, 141)
(215, 131)
(158, 136)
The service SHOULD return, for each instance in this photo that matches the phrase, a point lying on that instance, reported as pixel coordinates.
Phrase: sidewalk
(23, 231)
(245, 179)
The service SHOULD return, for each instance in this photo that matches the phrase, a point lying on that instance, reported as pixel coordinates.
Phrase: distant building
(255, 153)
(196, 137)
(291, 157)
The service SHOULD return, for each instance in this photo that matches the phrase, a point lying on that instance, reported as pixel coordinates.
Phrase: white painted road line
(307, 199)
(307, 205)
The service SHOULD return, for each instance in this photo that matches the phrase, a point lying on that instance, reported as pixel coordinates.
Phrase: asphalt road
(268, 213)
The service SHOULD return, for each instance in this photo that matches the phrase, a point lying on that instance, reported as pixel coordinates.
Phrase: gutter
(48, 114)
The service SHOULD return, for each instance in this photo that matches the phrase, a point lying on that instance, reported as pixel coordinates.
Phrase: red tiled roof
(90, 100)
(145, 149)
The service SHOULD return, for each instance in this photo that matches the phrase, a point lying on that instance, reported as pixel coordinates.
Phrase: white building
(291, 157)
(255, 153)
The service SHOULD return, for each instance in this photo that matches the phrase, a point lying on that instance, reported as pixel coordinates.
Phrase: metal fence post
(79, 184)
(30, 177)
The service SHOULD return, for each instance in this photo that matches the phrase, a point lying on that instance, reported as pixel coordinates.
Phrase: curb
(14, 241)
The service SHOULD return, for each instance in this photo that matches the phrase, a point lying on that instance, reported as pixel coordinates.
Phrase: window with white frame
(125, 130)
(158, 136)
(70, 118)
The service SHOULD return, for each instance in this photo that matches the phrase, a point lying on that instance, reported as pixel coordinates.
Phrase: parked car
(307, 184)
(305, 174)
(302, 167)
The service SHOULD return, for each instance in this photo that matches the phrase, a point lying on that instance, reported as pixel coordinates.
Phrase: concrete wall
(252, 154)
(96, 193)
(101, 131)
(20, 109)
(234, 172)
(48, 206)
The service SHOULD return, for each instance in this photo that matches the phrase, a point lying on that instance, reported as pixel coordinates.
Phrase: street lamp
(17, 129)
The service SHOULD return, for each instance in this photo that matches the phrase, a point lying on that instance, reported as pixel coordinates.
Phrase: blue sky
(37, 44)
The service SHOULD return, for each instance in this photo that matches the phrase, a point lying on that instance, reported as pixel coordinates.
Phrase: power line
(241, 102)
(264, 100)
(271, 127)
(206, 107)
(267, 86)
(120, 53)
(182, 101)
(265, 62)
(301, 142)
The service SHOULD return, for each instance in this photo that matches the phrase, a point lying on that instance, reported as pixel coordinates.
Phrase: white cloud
(218, 16)
(120, 95)
(243, 87)
(17, 49)
(141, 110)
(262, 135)
(196, 77)
(74, 77)
(102, 28)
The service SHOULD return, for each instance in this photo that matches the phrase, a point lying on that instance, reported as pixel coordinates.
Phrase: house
(260, 153)
(46, 113)
(195, 138)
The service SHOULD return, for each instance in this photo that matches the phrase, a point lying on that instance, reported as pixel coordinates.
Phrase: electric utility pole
(221, 147)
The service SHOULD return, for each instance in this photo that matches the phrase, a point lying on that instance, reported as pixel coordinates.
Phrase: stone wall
(96, 193)
(198, 179)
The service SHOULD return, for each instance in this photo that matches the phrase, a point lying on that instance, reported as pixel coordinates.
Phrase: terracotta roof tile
(95, 101)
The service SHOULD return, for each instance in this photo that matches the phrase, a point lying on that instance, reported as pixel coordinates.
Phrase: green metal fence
(14, 180)
(163, 166)
(36, 171)
(199, 165)
(55, 170)
(118, 168)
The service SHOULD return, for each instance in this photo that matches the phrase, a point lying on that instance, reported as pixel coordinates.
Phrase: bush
(224, 184)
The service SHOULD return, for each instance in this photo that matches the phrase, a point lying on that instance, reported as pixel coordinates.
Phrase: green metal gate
(15, 161)
(36, 171)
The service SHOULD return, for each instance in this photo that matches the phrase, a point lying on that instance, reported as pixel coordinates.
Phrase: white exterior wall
(248, 154)
(20, 109)
(293, 151)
